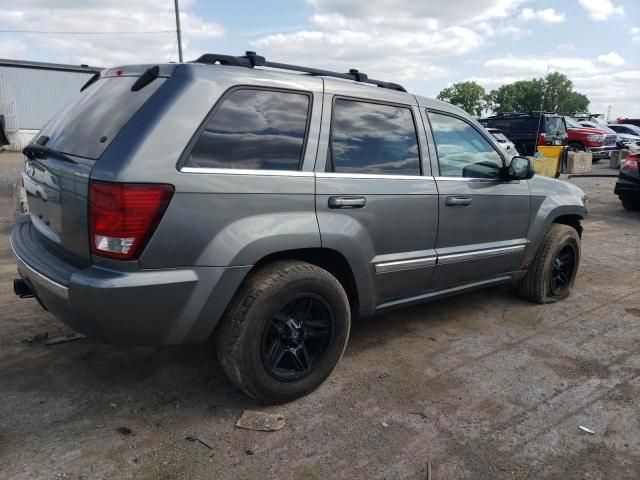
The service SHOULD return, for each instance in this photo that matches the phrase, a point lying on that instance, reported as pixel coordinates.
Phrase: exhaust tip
(22, 288)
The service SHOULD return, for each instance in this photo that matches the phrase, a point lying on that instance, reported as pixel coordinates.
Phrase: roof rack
(251, 60)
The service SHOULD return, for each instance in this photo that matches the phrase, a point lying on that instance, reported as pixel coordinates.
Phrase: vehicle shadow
(99, 380)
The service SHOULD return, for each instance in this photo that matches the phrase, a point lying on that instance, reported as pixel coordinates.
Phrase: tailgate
(57, 185)
(57, 198)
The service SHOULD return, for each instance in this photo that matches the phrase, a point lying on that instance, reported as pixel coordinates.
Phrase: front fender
(550, 199)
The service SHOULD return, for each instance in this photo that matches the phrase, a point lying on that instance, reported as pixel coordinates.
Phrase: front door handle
(458, 201)
(347, 202)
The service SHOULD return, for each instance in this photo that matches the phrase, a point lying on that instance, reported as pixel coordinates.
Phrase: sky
(424, 45)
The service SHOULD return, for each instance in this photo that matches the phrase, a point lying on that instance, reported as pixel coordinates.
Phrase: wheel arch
(571, 215)
(573, 220)
(328, 259)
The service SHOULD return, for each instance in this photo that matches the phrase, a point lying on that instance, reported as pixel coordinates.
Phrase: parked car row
(525, 131)
(528, 130)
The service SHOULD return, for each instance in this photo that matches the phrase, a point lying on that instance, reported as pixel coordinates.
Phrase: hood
(588, 131)
(627, 136)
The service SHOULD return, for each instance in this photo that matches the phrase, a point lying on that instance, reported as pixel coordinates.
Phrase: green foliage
(469, 96)
(554, 93)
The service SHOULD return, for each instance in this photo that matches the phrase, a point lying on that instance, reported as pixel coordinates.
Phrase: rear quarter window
(254, 129)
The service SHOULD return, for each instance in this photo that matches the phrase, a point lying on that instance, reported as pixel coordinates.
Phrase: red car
(587, 139)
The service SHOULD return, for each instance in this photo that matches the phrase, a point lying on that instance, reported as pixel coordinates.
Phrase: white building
(33, 92)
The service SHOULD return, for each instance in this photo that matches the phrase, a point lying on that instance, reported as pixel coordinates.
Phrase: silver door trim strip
(490, 252)
(38, 278)
(399, 265)
(372, 175)
(467, 179)
(240, 171)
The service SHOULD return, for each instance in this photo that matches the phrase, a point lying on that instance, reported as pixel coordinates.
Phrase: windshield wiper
(33, 150)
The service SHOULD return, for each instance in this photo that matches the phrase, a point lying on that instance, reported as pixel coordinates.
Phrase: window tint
(254, 129)
(373, 138)
(462, 150)
(101, 110)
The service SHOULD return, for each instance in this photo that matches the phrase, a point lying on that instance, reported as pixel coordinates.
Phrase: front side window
(462, 150)
(373, 138)
(254, 129)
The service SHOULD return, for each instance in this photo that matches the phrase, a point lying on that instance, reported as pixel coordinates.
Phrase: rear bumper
(144, 307)
(626, 188)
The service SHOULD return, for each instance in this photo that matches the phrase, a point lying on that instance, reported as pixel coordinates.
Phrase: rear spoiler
(147, 74)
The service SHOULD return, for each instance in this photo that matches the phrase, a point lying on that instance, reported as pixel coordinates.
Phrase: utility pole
(175, 2)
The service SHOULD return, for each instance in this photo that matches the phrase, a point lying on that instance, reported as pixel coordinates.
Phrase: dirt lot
(481, 386)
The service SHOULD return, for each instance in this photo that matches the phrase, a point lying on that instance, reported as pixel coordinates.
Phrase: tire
(258, 324)
(577, 146)
(632, 205)
(538, 284)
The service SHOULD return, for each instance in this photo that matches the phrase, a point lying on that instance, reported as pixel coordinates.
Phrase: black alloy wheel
(297, 337)
(562, 270)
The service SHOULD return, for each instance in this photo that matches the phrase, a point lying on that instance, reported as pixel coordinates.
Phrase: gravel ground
(481, 386)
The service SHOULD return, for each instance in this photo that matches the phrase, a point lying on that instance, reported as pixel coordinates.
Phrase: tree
(469, 96)
(554, 93)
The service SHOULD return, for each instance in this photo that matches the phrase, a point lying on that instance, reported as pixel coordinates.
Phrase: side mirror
(520, 168)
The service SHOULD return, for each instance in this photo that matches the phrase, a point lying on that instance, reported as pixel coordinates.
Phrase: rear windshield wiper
(91, 81)
(34, 150)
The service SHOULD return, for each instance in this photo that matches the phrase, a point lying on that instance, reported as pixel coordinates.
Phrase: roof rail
(250, 60)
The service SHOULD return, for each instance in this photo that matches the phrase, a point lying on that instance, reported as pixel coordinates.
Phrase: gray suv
(264, 209)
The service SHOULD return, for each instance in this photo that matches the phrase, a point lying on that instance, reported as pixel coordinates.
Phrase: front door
(483, 220)
(373, 202)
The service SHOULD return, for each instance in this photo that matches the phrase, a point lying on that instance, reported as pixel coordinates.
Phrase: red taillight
(631, 162)
(122, 217)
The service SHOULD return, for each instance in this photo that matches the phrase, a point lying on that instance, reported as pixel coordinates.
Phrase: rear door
(483, 220)
(376, 199)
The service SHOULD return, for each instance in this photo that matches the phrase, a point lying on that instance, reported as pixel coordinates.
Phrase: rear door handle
(347, 202)
(458, 201)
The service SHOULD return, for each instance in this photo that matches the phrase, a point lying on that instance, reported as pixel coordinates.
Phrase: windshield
(571, 123)
(636, 130)
(88, 124)
(555, 126)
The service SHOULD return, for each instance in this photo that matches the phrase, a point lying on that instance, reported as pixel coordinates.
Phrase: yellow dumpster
(550, 152)
(546, 166)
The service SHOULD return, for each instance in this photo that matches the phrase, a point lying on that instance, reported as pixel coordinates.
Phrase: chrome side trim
(240, 171)
(398, 265)
(466, 179)
(372, 175)
(491, 252)
(39, 279)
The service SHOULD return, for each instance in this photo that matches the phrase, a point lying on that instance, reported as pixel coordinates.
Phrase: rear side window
(462, 150)
(373, 138)
(88, 125)
(254, 129)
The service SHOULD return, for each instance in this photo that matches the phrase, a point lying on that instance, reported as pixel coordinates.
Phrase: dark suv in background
(265, 209)
(527, 130)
